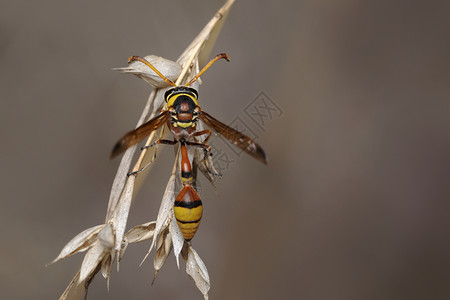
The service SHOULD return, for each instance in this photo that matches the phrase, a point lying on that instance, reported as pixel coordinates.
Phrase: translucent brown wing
(135, 136)
(240, 140)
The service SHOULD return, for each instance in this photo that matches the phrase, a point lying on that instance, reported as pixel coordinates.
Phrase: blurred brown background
(354, 203)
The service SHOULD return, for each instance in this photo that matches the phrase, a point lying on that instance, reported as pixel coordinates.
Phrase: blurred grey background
(354, 203)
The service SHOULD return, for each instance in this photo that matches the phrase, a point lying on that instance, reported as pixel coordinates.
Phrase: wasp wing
(135, 136)
(239, 139)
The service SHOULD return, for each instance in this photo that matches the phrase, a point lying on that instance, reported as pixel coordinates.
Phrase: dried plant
(107, 242)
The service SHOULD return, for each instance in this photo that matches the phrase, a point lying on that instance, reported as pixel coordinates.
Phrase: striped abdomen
(188, 211)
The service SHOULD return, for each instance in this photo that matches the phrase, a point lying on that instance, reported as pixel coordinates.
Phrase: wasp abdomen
(188, 210)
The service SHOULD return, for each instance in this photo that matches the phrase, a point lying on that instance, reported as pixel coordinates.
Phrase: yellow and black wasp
(181, 114)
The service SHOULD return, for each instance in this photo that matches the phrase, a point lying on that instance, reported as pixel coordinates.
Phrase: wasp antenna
(216, 58)
(144, 61)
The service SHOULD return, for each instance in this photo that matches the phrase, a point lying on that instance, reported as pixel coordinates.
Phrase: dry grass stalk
(107, 241)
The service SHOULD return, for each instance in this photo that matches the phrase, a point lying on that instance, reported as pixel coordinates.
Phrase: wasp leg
(201, 145)
(160, 141)
(203, 132)
(141, 169)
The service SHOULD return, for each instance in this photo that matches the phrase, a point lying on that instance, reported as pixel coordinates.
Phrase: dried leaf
(122, 251)
(119, 180)
(123, 208)
(202, 45)
(79, 243)
(206, 166)
(107, 267)
(91, 261)
(214, 31)
(106, 237)
(177, 239)
(166, 208)
(165, 211)
(169, 68)
(125, 163)
(75, 290)
(141, 232)
(197, 270)
(163, 248)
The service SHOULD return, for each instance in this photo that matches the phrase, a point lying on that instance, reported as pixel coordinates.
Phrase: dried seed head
(103, 247)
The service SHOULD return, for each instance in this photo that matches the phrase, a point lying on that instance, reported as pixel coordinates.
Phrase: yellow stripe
(188, 227)
(186, 180)
(184, 125)
(184, 214)
(188, 230)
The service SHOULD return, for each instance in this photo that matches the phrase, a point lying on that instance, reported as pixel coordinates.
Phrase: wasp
(181, 114)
